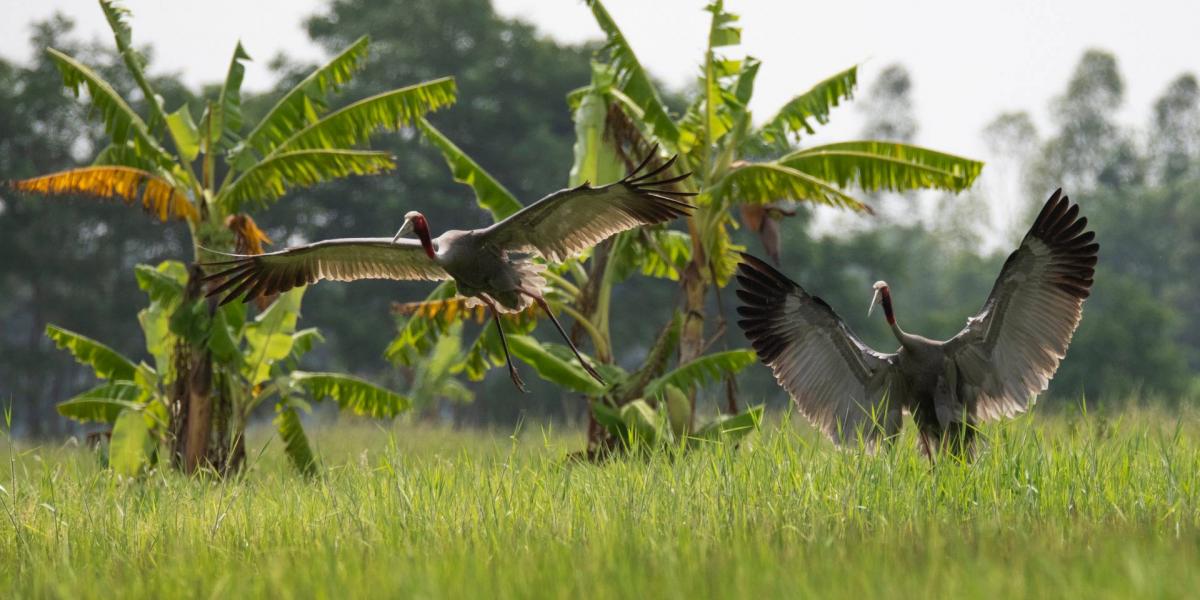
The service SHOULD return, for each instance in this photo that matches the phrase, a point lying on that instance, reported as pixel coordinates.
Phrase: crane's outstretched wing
(1009, 351)
(346, 259)
(569, 221)
(844, 388)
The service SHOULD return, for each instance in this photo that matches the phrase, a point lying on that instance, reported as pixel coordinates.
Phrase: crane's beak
(405, 229)
(874, 301)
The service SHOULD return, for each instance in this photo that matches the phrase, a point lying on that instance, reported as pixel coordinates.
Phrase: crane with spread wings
(992, 369)
(492, 266)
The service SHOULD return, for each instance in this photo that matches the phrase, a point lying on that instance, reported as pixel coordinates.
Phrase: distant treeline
(69, 262)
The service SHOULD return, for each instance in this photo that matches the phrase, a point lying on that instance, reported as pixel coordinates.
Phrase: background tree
(1175, 132)
(1090, 149)
(888, 106)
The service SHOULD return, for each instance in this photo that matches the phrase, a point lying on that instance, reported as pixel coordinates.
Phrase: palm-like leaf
(353, 394)
(802, 112)
(634, 81)
(389, 111)
(156, 195)
(271, 178)
(305, 102)
(131, 446)
(295, 441)
(702, 370)
(722, 32)
(873, 166)
(763, 183)
(490, 194)
(121, 123)
(102, 404)
(106, 362)
(116, 16)
(164, 283)
(229, 105)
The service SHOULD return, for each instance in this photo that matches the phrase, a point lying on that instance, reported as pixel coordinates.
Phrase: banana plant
(739, 163)
(208, 172)
(256, 360)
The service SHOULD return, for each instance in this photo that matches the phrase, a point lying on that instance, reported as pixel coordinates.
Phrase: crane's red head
(415, 222)
(883, 295)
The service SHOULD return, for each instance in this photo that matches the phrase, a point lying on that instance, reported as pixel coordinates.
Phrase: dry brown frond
(451, 309)
(156, 195)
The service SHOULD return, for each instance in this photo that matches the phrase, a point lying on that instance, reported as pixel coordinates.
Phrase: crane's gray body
(480, 269)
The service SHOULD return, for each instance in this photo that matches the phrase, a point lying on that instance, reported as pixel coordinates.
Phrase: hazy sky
(970, 60)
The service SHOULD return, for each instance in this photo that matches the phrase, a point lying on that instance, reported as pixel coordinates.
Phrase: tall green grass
(1085, 506)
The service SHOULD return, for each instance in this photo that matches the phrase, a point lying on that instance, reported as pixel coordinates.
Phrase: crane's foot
(516, 378)
(589, 369)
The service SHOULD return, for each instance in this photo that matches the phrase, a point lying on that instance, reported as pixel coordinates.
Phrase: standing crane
(992, 369)
(491, 266)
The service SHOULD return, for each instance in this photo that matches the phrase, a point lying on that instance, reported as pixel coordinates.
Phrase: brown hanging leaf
(249, 239)
(763, 219)
(156, 195)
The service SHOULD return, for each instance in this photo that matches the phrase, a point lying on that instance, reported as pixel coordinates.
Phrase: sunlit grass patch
(1103, 506)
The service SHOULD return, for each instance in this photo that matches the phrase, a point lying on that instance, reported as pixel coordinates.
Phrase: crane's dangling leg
(512, 369)
(546, 307)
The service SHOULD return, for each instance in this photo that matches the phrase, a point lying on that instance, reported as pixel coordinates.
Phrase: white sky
(970, 59)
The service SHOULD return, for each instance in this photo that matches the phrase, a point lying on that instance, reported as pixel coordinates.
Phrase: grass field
(1062, 506)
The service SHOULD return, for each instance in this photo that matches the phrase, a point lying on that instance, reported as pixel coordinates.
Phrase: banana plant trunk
(588, 305)
(695, 288)
(201, 408)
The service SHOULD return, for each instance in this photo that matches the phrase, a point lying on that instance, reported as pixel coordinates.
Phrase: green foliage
(552, 366)
(103, 403)
(703, 370)
(131, 448)
(355, 122)
(121, 123)
(800, 114)
(228, 115)
(351, 393)
(305, 102)
(269, 337)
(638, 425)
(763, 183)
(295, 441)
(105, 362)
(259, 356)
(273, 177)
(876, 166)
(184, 133)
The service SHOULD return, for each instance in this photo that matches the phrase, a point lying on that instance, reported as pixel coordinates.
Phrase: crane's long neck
(886, 300)
(421, 227)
